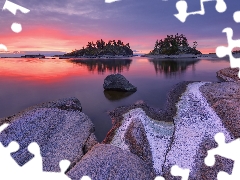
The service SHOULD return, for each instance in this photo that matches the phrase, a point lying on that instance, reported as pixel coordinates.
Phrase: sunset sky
(64, 25)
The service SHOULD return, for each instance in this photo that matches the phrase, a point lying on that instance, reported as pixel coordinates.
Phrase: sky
(60, 26)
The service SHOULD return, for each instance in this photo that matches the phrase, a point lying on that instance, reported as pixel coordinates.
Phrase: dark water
(27, 82)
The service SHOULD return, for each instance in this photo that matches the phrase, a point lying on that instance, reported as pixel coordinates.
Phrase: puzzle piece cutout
(222, 51)
(227, 150)
(236, 16)
(177, 171)
(111, 1)
(12, 7)
(182, 9)
(11, 170)
(85, 178)
(3, 47)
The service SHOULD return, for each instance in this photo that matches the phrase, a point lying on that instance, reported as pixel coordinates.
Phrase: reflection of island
(116, 95)
(104, 65)
(172, 67)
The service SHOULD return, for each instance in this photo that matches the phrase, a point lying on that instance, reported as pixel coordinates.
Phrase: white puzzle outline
(12, 7)
(227, 150)
(182, 9)
(32, 169)
(223, 51)
(16, 27)
(111, 1)
(175, 170)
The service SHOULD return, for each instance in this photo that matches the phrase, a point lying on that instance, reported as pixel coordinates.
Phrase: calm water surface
(27, 82)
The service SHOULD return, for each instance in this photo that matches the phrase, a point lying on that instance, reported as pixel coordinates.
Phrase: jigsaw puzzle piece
(223, 176)
(182, 11)
(182, 7)
(159, 178)
(85, 178)
(12, 7)
(64, 164)
(221, 6)
(177, 171)
(222, 51)
(5, 125)
(226, 150)
(236, 16)
(35, 164)
(8, 166)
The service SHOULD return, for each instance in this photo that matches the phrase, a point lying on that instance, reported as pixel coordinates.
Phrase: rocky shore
(143, 143)
(229, 74)
(182, 56)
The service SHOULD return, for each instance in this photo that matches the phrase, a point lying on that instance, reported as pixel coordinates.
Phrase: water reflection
(172, 66)
(116, 95)
(104, 65)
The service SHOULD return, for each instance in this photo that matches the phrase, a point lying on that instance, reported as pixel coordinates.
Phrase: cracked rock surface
(105, 161)
(202, 110)
(60, 128)
(143, 143)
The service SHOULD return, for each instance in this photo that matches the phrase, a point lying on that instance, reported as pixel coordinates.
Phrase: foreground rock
(118, 82)
(143, 143)
(60, 128)
(110, 162)
(201, 111)
(229, 74)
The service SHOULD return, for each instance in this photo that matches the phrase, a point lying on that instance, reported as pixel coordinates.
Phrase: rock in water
(229, 74)
(118, 82)
(60, 128)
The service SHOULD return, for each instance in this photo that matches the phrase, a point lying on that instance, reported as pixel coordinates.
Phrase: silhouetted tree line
(174, 45)
(102, 48)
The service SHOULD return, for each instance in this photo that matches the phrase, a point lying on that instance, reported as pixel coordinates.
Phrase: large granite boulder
(229, 74)
(60, 128)
(183, 132)
(110, 162)
(118, 82)
(196, 124)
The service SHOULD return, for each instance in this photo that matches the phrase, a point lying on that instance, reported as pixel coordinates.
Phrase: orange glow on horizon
(45, 70)
(47, 38)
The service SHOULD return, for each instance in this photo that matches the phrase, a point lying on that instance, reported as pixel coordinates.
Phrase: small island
(101, 49)
(174, 46)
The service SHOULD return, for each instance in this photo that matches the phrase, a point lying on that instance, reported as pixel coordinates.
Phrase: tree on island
(101, 48)
(174, 45)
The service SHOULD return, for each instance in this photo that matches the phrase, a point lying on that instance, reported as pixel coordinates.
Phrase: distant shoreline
(78, 57)
(164, 57)
(182, 56)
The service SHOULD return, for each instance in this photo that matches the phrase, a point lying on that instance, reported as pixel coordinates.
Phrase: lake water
(27, 82)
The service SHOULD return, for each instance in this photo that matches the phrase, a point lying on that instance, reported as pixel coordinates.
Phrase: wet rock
(196, 124)
(109, 162)
(137, 133)
(59, 128)
(224, 99)
(118, 82)
(69, 104)
(183, 132)
(229, 74)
